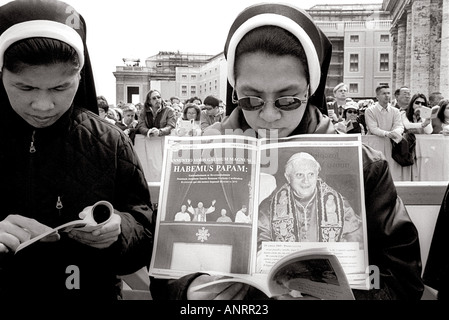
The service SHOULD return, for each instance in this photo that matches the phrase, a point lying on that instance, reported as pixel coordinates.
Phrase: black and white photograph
(221, 137)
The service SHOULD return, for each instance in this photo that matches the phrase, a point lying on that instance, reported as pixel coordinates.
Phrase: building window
(354, 38)
(184, 76)
(193, 90)
(133, 95)
(193, 77)
(354, 88)
(184, 90)
(384, 62)
(354, 62)
(384, 38)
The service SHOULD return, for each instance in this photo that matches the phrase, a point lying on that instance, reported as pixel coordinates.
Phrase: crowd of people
(418, 113)
(160, 117)
(67, 149)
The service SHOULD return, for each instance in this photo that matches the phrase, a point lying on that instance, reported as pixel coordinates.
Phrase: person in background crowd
(177, 111)
(139, 107)
(189, 124)
(118, 112)
(211, 112)
(340, 91)
(112, 115)
(287, 95)
(350, 123)
(443, 116)
(382, 119)
(363, 105)
(402, 97)
(174, 100)
(156, 119)
(195, 100)
(103, 109)
(434, 100)
(129, 122)
(411, 118)
(62, 159)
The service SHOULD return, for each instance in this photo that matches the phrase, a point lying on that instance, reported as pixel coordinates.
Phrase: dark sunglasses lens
(287, 103)
(251, 103)
(155, 98)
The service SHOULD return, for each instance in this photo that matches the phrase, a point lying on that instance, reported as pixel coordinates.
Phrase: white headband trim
(287, 24)
(44, 29)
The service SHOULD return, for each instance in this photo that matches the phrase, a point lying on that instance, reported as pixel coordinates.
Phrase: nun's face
(269, 78)
(41, 94)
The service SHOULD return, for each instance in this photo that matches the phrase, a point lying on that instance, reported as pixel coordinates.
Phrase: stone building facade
(420, 39)
(361, 46)
(133, 81)
(396, 42)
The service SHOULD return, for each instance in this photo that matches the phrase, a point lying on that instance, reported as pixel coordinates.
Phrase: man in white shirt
(382, 119)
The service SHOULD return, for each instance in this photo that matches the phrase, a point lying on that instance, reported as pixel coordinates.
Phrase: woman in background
(443, 116)
(411, 118)
(189, 124)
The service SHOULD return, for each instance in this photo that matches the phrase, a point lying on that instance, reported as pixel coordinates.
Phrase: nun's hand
(16, 229)
(219, 291)
(102, 237)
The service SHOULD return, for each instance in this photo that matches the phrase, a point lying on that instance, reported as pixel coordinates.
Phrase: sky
(141, 28)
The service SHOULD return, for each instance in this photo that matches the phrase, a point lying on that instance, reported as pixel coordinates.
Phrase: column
(400, 54)
(420, 62)
(408, 46)
(436, 16)
(394, 44)
(444, 62)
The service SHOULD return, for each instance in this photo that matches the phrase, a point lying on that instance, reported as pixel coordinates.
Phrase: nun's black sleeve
(437, 267)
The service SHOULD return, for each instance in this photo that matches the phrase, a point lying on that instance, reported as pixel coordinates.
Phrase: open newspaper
(235, 205)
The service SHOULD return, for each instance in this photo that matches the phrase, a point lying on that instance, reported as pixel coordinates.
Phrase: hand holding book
(93, 218)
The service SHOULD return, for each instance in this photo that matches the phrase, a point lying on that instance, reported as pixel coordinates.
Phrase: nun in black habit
(59, 159)
(277, 61)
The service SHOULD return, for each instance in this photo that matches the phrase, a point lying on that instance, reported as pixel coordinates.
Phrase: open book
(314, 272)
(98, 215)
(428, 113)
(235, 205)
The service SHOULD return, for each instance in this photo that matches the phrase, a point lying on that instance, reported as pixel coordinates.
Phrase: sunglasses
(351, 111)
(420, 103)
(251, 103)
(155, 97)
